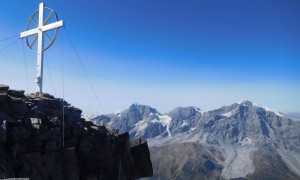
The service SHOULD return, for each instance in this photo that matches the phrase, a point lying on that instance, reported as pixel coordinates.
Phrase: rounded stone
(3, 87)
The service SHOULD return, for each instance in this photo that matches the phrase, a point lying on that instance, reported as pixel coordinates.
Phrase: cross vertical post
(40, 54)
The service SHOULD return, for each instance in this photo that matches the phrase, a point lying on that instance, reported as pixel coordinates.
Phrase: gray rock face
(135, 113)
(33, 143)
(184, 119)
(239, 121)
(139, 121)
(243, 129)
(146, 122)
(151, 130)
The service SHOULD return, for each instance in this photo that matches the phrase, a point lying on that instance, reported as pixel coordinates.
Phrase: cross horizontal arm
(52, 26)
(29, 32)
(43, 28)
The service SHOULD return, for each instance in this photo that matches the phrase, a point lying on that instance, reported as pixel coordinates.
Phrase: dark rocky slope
(32, 130)
(270, 166)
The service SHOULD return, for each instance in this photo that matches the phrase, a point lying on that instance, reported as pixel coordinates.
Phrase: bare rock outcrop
(46, 138)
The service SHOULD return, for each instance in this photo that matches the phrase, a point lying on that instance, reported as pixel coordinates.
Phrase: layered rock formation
(46, 138)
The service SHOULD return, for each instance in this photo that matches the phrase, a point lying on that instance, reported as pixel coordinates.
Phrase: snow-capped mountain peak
(229, 111)
(235, 132)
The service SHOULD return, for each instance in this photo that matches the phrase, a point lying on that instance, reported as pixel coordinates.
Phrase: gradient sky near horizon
(165, 53)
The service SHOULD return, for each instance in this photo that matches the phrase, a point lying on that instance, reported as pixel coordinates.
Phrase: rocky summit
(46, 138)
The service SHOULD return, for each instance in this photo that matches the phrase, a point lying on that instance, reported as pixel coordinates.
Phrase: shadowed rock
(40, 141)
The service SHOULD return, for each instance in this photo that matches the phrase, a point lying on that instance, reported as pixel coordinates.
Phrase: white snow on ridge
(166, 120)
(256, 104)
(155, 121)
(141, 125)
(199, 110)
(278, 113)
(228, 114)
(246, 141)
(184, 123)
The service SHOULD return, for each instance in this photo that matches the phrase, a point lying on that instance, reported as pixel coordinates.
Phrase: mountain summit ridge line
(240, 138)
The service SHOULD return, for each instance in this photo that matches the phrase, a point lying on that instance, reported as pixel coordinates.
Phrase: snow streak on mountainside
(239, 136)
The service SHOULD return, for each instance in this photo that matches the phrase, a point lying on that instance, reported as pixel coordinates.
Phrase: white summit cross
(39, 33)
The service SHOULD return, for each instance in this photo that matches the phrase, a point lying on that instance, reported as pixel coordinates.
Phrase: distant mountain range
(243, 140)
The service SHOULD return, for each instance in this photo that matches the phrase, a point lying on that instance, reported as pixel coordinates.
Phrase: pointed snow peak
(192, 108)
(142, 108)
(256, 105)
(247, 103)
(185, 111)
(228, 111)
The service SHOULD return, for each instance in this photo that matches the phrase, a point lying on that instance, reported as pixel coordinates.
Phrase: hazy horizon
(163, 54)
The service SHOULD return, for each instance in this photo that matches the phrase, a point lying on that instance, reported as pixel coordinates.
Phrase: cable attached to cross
(10, 44)
(39, 35)
(8, 38)
(84, 70)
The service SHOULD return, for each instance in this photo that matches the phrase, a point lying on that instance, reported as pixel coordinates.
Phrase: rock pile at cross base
(32, 146)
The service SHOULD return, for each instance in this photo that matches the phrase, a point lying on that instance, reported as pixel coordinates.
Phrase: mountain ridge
(239, 135)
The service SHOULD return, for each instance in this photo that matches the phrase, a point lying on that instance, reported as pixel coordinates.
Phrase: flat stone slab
(16, 93)
(3, 87)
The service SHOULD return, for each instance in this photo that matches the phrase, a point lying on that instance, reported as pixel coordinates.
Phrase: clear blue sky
(165, 53)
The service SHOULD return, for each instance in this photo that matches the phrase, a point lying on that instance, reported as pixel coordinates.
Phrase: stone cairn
(32, 146)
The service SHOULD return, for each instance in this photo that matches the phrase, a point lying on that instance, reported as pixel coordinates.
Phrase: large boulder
(3, 87)
(16, 93)
(141, 157)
